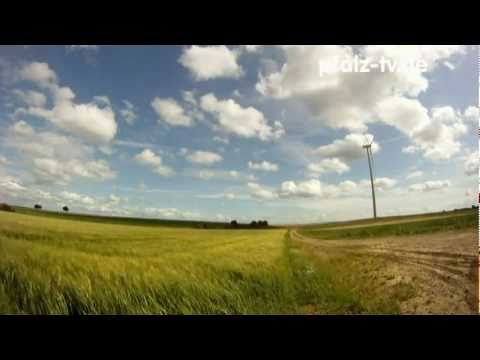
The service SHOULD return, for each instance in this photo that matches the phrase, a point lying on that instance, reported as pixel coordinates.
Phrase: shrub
(6, 207)
(38, 206)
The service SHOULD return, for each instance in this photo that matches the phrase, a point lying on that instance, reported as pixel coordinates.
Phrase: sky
(243, 132)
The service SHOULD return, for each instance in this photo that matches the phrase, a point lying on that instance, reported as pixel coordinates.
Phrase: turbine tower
(368, 147)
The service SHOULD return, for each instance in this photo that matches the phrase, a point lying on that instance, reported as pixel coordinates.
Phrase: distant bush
(66, 209)
(38, 206)
(234, 223)
(259, 223)
(6, 207)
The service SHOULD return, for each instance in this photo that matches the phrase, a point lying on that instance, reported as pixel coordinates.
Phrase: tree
(38, 206)
(253, 224)
(6, 207)
(65, 208)
(234, 223)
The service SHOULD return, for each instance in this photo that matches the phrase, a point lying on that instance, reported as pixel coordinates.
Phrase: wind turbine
(368, 148)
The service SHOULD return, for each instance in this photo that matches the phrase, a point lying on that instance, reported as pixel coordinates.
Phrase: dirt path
(442, 267)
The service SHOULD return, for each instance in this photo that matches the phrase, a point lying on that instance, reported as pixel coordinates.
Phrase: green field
(50, 265)
(399, 226)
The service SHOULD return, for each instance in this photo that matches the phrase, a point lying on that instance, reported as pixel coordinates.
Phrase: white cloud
(348, 149)
(77, 198)
(62, 172)
(221, 140)
(228, 175)
(211, 62)
(189, 97)
(429, 185)
(171, 213)
(102, 100)
(303, 189)
(171, 112)
(56, 158)
(472, 113)
(263, 166)
(4, 160)
(95, 124)
(414, 174)
(353, 100)
(384, 183)
(39, 73)
(11, 185)
(348, 186)
(436, 134)
(244, 122)
(128, 112)
(204, 157)
(31, 97)
(328, 166)
(261, 192)
(252, 48)
(471, 164)
(148, 158)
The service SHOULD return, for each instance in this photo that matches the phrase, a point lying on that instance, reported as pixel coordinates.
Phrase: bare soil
(443, 268)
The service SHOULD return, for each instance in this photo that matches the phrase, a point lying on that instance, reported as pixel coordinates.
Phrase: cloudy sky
(237, 132)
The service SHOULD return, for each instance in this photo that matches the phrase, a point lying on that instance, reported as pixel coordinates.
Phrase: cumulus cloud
(211, 62)
(31, 97)
(90, 121)
(204, 157)
(310, 189)
(263, 166)
(430, 185)
(56, 158)
(189, 97)
(11, 185)
(102, 100)
(171, 112)
(62, 172)
(171, 213)
(414, 174)
(247, 122)
(4, 160)
(148, 158)
(351, 101)
(221, 140)
(472, 113)
(128, 112)
(261, 192)
(471, 164)
(348, 148)
(77, 198)
(435, 134)
(384, 183)
(328, 166)
(228, 175)
(302, 189)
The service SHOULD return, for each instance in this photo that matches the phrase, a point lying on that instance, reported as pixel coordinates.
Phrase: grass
(403, 227)
(128, 220)
(62, 265)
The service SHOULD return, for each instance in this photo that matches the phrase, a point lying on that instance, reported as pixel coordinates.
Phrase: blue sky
(237, 132)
